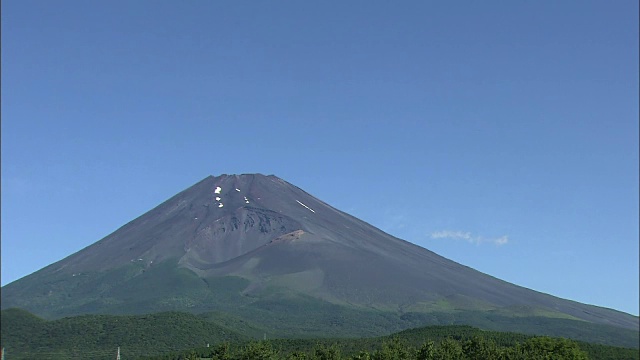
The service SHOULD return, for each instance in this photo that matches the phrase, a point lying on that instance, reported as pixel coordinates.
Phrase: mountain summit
(231, 242)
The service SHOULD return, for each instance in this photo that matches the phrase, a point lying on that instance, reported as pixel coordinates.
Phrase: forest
(181, 336)
(476, 348)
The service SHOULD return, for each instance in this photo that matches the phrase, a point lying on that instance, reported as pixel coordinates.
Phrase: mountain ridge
(281, 240)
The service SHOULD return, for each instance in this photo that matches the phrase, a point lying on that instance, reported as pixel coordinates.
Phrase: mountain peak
(215, 220)
(277, 237)
(244, 176)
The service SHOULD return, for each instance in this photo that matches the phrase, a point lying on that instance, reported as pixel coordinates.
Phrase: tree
(258, 351)
(396, 349)
(480, 349)
(550, 348)
(362, 355)
(449, 349)
(426, 351)
(297, 355)
(220, 352)
(323, 352)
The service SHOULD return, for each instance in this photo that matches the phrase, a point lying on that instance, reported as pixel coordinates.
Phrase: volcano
(237, 243)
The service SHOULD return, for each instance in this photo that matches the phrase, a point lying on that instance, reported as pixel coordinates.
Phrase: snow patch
(218, 189)
(305, 206)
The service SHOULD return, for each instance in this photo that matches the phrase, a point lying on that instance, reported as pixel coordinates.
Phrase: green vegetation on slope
(131, 289)
(98, 336)
(139, 288)
(303, 316)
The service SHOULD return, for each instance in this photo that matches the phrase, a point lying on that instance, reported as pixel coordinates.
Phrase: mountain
(263, 250)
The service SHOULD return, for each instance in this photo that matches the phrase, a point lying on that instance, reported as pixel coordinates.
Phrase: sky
(500, 134)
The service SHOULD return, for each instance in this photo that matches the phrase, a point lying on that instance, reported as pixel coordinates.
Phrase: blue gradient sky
(502, 135)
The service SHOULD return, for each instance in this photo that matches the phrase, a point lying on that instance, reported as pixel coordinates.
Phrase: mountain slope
(99, 336)
(236, 241)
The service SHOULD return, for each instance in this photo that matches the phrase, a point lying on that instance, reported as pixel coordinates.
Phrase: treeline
(174, 335)
(477, 348)
(438, 342)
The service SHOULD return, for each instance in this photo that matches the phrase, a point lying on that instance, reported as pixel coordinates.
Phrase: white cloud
(501, 240)
(448, 234)
(467, 236)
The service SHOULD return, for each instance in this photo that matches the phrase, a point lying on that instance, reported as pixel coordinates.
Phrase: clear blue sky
(500, 134)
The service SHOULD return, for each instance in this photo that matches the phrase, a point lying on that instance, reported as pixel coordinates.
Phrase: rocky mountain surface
(239, 242)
